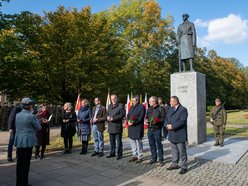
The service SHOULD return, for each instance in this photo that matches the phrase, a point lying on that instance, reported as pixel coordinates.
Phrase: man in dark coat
(116, 113)
(155, 117)
(11, 125)
(99, 116)
(176, 124)
(135, 119)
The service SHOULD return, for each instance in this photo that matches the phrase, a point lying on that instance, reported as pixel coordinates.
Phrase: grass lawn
(57, 142)
(230, 131)
(237, 118)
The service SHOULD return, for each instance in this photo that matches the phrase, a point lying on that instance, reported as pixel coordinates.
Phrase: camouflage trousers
(219, 134)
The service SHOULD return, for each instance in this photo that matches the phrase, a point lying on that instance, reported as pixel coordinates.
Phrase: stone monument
(190, 86)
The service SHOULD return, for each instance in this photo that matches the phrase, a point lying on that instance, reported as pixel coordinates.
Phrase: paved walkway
(74, 169)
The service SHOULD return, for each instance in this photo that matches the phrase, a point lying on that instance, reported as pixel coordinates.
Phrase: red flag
(78, 104)
(145, 103)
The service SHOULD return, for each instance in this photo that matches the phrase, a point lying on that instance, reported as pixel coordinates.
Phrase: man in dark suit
(135, 119)
(99, 116)
(116, 113)
(176, 124)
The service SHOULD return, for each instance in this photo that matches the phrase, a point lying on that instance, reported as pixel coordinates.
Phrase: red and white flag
(145, 103)
(128, 106)
(78, 104)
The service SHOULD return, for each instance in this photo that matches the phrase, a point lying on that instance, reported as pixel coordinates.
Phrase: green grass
(57, 143)
(230, 131)
(237, 118)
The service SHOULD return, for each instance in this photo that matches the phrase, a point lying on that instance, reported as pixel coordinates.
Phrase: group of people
(161, 120)
(28, 129)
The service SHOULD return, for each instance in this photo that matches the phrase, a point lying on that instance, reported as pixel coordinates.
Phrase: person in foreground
(176, 124)
(26, 126)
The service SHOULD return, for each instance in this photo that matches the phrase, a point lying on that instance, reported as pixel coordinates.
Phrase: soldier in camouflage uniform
(218, 119)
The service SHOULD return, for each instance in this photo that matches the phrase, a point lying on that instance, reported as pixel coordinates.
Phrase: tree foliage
(128, 48)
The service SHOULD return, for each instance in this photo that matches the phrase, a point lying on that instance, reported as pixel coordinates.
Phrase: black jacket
(118, 113)
(178, 119)
(155, 112)
(136, 131)
(12, 116)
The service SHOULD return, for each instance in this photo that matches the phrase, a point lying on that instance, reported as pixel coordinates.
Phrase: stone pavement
(232, 152)
(74, 169)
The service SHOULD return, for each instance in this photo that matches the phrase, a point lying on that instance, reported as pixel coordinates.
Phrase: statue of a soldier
(186, 40)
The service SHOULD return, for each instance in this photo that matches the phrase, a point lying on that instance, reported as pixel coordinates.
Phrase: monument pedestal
(190, 88)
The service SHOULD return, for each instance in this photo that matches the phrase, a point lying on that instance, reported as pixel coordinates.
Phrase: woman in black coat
(68, 127)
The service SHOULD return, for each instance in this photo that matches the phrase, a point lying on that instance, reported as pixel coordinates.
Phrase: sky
(221, 25)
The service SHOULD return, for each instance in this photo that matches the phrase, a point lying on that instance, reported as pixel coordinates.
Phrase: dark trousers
(165, 132)
(23, 164)
(68, 140)
(11, 144)
(37, 149)
(113, 139)
(178, 152)
(155, 143)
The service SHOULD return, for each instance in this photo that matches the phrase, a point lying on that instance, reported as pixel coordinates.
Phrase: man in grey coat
(176, 124)
(26, 126)
(186, 40)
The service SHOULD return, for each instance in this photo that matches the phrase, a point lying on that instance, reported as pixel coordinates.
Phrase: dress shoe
(42, 156)
(133, 159)
(95, 153)
(183, 171)
(139, 160)
(110, 156)
(173, 167)
(161, 164)
(216, 144)
(66, 151)
(10, 160)
(101, 154)
(37, 156)
(221, 145)
(119, 157)
(152, 162)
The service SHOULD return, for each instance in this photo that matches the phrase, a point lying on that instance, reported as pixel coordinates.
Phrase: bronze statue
(186, 40)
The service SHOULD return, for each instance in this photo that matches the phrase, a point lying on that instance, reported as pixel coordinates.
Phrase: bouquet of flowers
(132, 119)
(153, 121)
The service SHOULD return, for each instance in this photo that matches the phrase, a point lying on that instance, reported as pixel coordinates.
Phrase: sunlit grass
(230, 131)
(57, 143)
(237, 118)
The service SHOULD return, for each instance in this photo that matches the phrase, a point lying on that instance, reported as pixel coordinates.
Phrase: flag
(108, 100)
(78, 104)
(145, 103)
(128, 105)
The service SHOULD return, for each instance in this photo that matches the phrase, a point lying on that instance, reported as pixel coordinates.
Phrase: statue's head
(185, 16)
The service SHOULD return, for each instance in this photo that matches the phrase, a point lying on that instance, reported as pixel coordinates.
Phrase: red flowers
(132, 119)
(156, 120)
